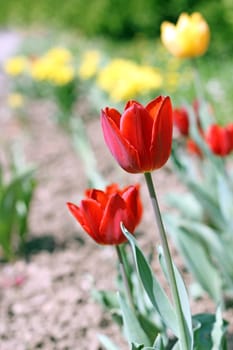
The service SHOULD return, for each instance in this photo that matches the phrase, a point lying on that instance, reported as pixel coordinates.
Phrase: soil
(46, 300)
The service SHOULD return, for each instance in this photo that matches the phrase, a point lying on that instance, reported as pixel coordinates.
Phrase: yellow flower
(41, 68)
(62, 76)
(59, 55)
(52, 68)
(89, 64)
(15, 65)
(124, 79)
(188, 38)
(15, 100)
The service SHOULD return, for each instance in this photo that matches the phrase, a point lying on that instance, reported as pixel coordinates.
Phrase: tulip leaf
(183, 295)
(81, 144)
(108, 300)
(225, 195)
(107, 343)
(218, 331)
(203, 336)
(187, 204)
(176, 346)
(158, 344)
(209, 206)
(219, 246)
(149, 327)
(133, 329)
(138, 347)
(155, 292)
(208, 276)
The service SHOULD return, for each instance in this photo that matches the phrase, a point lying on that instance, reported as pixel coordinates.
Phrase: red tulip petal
(125, 154)
(115, 212)
(98, 195)
(89, 216)
(226, 142)
(212, 138)
(113, 188)
(92, 214)
(219, 140)
(133, 202)
(136, 126)
(132, 102)
(77, 213)
(113, 114)
(154, 106)
(162, 132)
(181, 120)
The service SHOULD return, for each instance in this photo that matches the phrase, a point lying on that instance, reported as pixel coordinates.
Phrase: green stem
(197, 82)
(83, 147)
(170, 269)
(124, 276)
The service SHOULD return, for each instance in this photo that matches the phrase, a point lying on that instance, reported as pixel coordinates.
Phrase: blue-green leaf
(107, 343)
(218, 331)
(155, 292)
(134, 332)
(203, 335)
(158, 344)
(184, 299)
(197, 258)
(208, 204)
(225, 196)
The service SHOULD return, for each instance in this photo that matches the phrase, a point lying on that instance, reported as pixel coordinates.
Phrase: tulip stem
(197, 81)
(170, 269)
(124, 276)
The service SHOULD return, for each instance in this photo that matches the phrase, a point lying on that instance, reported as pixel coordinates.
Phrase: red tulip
(219, 140)
(101, 212)
(229, 128)
(139, 139)
(193, 148)
(181, 120)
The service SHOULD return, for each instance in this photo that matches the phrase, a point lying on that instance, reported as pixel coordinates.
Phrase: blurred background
(118, 19)
(118, 29)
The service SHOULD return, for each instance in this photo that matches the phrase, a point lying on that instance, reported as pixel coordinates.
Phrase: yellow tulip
(188, 38)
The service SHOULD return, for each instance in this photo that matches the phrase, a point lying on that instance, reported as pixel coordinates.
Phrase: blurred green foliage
(116, 18)
(16, 196)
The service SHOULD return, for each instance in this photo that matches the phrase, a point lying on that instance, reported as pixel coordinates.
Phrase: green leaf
(176, 346)
(149, 327)
(201, 266)
(218, 246)
(155, 292)
(138, 347)
(13, 195)
(109, 301)
(107, 343)
(218, 332)
(208, 204)
(84, 149)
(133, 329)
(106, 298)
(203, 334)
(187, 204)
(184, 299)
(197, 258)
(158, 344)
(225, 196)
